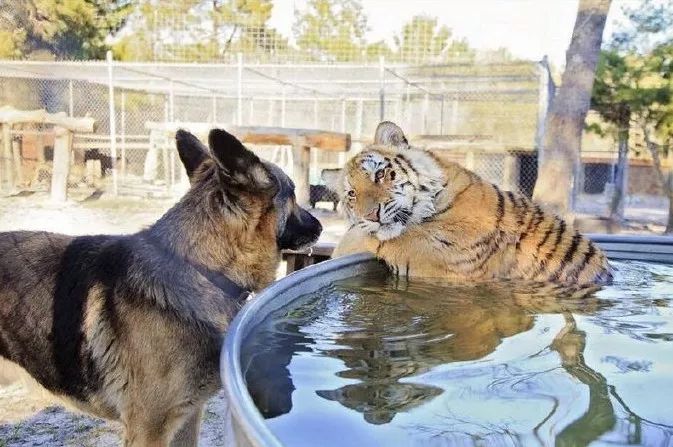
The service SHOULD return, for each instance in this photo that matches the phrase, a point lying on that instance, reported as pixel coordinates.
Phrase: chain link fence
(485, 117)
(194, 63)
(482, 116)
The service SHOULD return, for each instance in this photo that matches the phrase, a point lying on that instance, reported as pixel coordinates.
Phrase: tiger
(426, 217)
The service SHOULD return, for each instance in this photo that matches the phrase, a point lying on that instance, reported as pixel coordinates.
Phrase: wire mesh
(483, 114)
(223, 63)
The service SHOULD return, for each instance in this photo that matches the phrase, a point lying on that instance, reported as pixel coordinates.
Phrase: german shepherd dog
(130, 327)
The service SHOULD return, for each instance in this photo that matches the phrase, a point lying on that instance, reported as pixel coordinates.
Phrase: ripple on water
(372, 361)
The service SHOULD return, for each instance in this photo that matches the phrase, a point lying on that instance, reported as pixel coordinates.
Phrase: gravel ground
(29, 418)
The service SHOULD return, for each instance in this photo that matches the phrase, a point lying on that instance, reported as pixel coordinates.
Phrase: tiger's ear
(390, 134)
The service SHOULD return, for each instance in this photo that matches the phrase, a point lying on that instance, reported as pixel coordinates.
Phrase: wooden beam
(10, 115)
(265, 135)
(301, 160)
(320, 139)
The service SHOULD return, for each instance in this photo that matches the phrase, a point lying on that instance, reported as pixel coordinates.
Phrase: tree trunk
(621, 175)
(569, 108)
(669, 223)
(666, 182)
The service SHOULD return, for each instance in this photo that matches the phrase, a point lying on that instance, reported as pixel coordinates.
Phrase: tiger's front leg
(355, 241)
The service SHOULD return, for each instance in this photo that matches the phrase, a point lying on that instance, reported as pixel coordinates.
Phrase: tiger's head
(389, 186)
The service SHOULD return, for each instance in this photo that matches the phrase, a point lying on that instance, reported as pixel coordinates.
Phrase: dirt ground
(31, 419)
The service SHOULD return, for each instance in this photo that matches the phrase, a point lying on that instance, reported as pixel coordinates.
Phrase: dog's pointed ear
(230, 153)
(240, 165)
(192, 152)
(390, 134)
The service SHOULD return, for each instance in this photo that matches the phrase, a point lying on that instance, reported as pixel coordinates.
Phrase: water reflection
(398, 333)
(395, 347)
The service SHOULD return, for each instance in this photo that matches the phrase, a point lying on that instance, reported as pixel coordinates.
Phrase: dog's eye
(379, 174)
(392, 175)
(351, 193)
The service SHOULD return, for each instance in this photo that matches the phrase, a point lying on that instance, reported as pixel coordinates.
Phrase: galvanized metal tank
(246, 426)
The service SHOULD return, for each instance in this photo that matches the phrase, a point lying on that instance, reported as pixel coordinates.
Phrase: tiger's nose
(373, 214)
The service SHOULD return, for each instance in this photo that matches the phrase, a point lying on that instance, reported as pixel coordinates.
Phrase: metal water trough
(246, 426)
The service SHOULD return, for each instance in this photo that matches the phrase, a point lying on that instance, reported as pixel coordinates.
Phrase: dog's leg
(188, 435)
(143, 430)
(142, 438)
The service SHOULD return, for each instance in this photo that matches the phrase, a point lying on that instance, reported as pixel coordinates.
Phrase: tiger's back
(475, 230)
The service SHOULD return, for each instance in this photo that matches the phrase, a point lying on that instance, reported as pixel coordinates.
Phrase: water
(373, 361)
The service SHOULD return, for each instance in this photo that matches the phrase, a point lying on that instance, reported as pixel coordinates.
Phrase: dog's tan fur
(130, 327)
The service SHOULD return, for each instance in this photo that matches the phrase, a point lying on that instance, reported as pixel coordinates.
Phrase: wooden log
(10, 115)
(264, 135)
(301, 161)
(61, 164)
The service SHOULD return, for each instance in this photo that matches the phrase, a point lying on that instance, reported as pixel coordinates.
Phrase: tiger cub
(430, 218)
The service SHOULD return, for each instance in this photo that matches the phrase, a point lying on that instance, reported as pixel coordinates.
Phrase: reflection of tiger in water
(427, 217)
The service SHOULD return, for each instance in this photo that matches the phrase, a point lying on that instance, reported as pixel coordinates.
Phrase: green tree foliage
(73, 29)
(633, 89)
(421, 40)
(199, 30)
(333, 30)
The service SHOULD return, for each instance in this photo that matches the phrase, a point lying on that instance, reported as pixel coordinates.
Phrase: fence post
(16, 154)
(239, 90)
(544, 101)
(441, 117)
(214, 111)
(113, 125)
(171, 102)
(61, 164)
(282, 108)
(454, 117)
(123, 134)
(251, 114)
(342, 155)
(301, 161)
(7, 154)
(407, 108)
(315, 113)
(358, 123)
(70, 100)
(269, 121)
(426, 106)
(382, 92)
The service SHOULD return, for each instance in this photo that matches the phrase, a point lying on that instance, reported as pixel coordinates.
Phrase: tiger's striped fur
(431, 218)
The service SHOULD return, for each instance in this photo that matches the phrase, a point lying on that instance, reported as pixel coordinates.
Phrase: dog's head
(245, 192)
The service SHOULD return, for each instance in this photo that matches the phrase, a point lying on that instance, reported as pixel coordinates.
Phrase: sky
(528, 28)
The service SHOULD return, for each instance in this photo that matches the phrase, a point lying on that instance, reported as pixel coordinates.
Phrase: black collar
(219, 279)
(223, 283)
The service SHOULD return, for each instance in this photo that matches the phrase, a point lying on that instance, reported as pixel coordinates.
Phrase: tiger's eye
(351, 193)
(379, 174)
